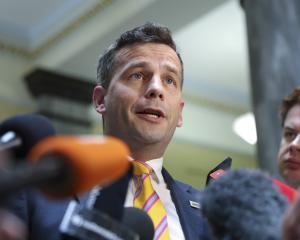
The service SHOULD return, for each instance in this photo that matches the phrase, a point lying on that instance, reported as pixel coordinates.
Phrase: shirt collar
(156, 165)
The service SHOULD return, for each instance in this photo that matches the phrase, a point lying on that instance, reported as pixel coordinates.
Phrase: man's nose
(296, 142)
(155, 88)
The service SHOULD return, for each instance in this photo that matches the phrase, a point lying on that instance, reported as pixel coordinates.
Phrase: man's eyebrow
(135, 64)
(140, 64)
(288, 128)
(172, 69)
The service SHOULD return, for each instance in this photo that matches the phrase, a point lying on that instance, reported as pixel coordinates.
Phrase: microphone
(290, 193)
(63, 166)
(81, 224)
(104, 210)
(219, 170)
(20, 133)
(139, 222)
(244, 204)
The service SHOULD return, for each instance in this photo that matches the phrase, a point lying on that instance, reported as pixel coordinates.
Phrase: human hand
(11, 227)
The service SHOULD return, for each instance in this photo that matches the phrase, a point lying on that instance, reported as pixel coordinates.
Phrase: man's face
(289, 151)
(143, 103)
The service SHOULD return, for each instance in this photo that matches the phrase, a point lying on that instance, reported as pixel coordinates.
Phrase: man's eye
(136, 76)
(289, 135)
(170, 81)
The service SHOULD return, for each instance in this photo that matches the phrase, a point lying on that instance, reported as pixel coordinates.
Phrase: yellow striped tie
(147, 199)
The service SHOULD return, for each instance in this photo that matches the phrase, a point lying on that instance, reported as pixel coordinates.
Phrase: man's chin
(293, 181)
(150, 137)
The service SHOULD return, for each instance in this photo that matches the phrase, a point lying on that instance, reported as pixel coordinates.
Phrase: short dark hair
(288, 102)
(146, 33)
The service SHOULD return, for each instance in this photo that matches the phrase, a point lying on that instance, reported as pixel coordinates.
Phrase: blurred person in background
(289, 151)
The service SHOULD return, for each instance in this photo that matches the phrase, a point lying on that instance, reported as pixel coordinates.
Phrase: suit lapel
(189, 216)
(110, 199)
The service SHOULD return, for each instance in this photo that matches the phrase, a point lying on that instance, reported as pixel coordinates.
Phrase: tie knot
(140, 168)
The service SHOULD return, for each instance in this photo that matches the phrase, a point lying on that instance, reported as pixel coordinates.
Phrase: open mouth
(153, 113)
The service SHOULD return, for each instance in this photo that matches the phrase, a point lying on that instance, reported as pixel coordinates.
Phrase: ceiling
(69, 35)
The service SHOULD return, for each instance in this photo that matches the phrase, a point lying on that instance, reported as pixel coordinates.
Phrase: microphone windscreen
(139, 222)
(244, 204)
(91, 160)
(31, 128)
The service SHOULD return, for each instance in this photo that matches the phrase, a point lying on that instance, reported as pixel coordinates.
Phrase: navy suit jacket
(43, 216)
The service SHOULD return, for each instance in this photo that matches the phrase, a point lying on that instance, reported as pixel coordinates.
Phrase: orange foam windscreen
(92, 160)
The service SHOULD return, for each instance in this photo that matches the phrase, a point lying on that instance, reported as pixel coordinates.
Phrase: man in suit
(139, 95)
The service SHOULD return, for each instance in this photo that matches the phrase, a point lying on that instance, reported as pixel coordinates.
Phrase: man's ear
(180, 120)
(98, 99)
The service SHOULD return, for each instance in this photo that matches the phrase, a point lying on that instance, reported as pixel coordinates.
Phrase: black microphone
(244, 204)
(20, 133)
(138, 221)
(105, 212)
(219, 170)
(80, 224)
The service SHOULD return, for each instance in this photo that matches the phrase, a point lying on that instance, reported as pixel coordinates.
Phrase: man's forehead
(292, 121)
(137, 52)
(294, 112)
(137, 49)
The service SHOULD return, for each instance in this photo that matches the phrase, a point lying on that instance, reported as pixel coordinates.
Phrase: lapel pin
(195, 204)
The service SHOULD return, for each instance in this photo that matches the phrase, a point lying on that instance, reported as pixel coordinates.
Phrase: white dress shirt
(163, 192)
